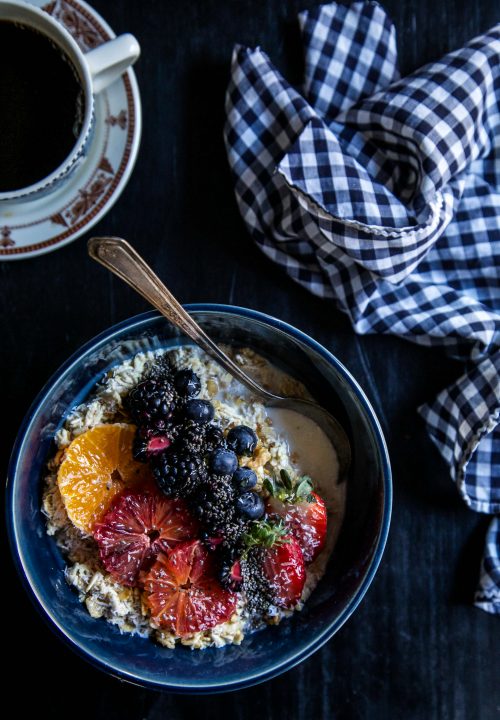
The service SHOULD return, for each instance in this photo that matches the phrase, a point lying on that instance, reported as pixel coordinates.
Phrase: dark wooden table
(416, 648)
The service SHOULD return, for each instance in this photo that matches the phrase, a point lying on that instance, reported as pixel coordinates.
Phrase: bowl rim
(290, 661)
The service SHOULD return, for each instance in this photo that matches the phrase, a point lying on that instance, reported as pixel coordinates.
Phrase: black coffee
(41, 106)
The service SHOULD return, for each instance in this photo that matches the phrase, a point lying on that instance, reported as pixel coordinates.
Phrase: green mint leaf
(286, 479)
(269, 485)
(304, 488)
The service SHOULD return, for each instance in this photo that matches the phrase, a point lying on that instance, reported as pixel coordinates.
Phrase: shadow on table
(466, 573)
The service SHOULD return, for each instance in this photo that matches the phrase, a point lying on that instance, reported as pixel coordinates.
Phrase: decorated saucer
(36, 226)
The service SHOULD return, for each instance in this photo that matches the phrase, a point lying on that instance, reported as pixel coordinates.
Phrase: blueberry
(242, 440)
(250, 505)
(223, 462)
(187, 383)
(244, 479)
(199, 411)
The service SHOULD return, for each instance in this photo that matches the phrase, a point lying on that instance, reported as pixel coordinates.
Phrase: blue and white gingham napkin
(383, 193)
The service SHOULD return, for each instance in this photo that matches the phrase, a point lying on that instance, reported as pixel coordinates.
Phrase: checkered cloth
(383, 194)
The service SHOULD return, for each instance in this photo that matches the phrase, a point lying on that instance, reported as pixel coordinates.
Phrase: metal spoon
(120, 257)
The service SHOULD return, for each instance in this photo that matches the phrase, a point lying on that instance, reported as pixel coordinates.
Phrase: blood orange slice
(137, 526)
(183, 592)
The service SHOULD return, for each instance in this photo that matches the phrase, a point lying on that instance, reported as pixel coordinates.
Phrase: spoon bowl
(118, 256)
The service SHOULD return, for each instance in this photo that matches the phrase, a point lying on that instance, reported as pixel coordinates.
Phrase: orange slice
(97, 465)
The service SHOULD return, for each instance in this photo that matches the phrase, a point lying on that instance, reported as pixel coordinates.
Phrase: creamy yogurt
(313, 454)
(308, 446)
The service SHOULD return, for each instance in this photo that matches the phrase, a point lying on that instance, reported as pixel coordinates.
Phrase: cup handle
(110, 60)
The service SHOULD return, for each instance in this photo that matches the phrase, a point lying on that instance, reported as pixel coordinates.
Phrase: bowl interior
(262, 654)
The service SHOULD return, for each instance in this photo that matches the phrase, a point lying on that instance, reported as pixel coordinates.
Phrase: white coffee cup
(96, 70)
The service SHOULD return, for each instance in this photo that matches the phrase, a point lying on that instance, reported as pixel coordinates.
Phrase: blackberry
(255, 584)
(151, 400)
(159, 426)
(213, 504)
(211, 542)
(179, 474)
(230, 571)
(233, 532)
(163, 369)
(199, 438)
(214, 438)
(150, 441)
(192, 437)
(227, 538)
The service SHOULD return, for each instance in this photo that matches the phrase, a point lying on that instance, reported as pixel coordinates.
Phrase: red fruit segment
(235, 573)
(183, 592)
(136, 528)
(307, 522)
(283, 566)
(158, 444)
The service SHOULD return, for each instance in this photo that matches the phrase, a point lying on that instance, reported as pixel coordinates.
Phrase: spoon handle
(120, 257)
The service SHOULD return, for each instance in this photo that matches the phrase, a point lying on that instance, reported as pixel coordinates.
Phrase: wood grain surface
(416, 648)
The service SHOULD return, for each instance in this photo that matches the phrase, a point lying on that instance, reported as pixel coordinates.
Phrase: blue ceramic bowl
(264, 654)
